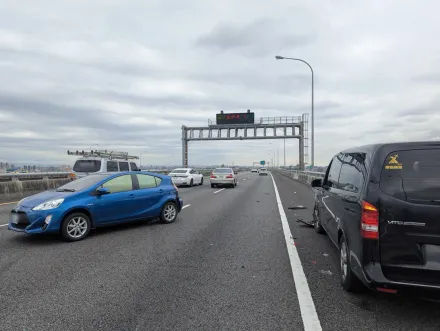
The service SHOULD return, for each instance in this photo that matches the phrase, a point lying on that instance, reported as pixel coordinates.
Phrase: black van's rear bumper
(374, 278)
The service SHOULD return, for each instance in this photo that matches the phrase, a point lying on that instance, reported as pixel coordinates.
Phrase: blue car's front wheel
(75, 226)
(169, 212)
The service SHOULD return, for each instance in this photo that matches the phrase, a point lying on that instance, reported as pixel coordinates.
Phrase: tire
(201, 182)
(316, 221)
(75, 227)
(212, 185)
(165, 215)
(349, 281)
(191, 183)
(233, 185)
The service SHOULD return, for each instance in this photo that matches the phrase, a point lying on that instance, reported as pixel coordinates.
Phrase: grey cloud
(432, 78)
(257, 38)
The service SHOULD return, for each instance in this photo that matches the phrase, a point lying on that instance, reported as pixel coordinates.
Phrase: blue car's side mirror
(103, 190)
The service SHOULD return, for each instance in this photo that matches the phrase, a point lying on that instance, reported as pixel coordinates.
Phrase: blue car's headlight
(49, 204)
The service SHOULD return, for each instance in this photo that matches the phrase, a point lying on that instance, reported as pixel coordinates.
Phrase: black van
(380, 205)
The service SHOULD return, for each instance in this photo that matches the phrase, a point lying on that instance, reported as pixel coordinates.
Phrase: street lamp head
(279, 57)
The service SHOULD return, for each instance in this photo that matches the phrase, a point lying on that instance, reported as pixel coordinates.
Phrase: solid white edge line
(308, 311)
(218, 190)
(185, 206)
(3, 225)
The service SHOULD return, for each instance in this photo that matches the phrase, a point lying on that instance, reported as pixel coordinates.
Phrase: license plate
(14, 218)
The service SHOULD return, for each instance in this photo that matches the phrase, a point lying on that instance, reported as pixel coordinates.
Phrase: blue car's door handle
(131, 195)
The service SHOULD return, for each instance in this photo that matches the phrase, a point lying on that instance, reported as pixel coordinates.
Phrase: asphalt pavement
(223, 265)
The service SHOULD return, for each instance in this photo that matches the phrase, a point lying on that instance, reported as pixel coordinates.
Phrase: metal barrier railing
(303, 176)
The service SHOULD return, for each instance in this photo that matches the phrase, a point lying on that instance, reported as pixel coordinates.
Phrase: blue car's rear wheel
(169, 212)
(75, 226)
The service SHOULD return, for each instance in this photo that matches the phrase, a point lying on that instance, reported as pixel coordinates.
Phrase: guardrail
(8, 177)
(303, 176)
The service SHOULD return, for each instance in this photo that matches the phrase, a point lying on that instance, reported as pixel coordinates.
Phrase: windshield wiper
(65, 190)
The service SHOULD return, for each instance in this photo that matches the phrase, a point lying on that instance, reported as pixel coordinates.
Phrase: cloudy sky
(126, 74)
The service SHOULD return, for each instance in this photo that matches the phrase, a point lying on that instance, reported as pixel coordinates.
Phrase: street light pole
(313, 103)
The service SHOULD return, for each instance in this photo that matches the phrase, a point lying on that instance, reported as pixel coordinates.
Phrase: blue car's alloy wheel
(75, 226)
(169, 212)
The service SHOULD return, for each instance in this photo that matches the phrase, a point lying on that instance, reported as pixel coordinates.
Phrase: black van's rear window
(413, 175)
(87, 165)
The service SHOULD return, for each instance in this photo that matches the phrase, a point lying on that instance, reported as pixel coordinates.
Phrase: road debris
(297, 207)
(326, 272)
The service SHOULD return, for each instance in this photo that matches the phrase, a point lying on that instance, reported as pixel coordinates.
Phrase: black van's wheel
(169, 213)
(349, 281)
(75, 226)
(317, 221)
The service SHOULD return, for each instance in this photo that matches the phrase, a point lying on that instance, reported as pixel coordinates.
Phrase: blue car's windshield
(82, 183)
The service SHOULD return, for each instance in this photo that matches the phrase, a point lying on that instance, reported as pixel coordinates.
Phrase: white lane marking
(186, 206)
(244, 179)
(8, 203)
(219, 191)
(308, 311)
(3, 225)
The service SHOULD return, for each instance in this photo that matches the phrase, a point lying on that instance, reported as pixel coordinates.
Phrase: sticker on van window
(393, 163)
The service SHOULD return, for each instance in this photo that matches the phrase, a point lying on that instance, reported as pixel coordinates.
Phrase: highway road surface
(225, 264)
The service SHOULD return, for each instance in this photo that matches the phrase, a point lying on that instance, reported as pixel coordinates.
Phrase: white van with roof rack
(102, 161)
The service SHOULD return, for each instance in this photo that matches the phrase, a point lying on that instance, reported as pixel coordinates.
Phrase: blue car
(97, 200)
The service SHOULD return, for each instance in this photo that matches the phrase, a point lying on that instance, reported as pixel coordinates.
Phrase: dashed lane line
(218, 191)
(186, 206)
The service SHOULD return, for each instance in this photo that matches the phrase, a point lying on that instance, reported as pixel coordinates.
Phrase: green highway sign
(263, 162)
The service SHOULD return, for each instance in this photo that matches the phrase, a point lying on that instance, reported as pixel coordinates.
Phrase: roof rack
(104, 154)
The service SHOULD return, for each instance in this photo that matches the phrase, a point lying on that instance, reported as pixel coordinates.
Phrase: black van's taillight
(369, 221)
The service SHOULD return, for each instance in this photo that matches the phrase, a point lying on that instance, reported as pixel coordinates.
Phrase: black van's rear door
(410, 215)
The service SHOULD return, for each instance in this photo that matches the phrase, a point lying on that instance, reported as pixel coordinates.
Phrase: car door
(351, 182)
(329, 198)
(148, 196)
(199, 176)
(118, 205)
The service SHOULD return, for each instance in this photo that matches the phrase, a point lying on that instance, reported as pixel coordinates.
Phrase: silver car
(263, 172)
(223, 176)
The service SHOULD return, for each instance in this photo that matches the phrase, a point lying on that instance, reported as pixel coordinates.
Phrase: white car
(263, 172)
(254, 170)
(223, 177)
(186, 176)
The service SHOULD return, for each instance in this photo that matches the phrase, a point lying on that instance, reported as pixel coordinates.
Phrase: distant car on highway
(263, 172)
(380, 206)
(97, 200)
(186, 176)
(223, 177)
(254, 170)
